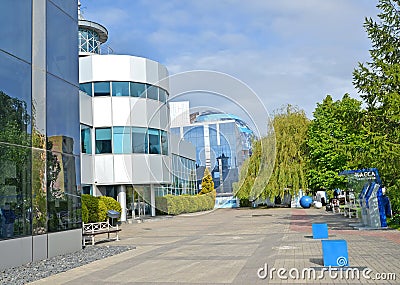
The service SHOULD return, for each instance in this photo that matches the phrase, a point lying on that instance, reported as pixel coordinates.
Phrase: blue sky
(287, 51)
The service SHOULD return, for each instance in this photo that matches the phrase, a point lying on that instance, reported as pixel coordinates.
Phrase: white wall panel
(163, 77)
(138, 113)
(102, 111)
(85, 109)
(153, 114)
(111, 67)
(104, 169)
(85, 69)
(156, 167)
(152, 72)
(164, 117)
(121, 111)
(123, 169)
(166, 169)
(140, 169)
(87, 168)
(138, 69)
(15, 252)
(64, 242)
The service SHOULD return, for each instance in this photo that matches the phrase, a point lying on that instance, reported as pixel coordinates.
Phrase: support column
(122, 201)
(152, 201)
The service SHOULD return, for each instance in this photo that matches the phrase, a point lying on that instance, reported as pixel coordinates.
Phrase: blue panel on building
(320, 231)
(334, 253)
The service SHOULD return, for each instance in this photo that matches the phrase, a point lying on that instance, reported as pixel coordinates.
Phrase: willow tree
(289, 174)
(278, 162)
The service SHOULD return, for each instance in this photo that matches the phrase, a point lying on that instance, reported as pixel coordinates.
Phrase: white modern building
(126, 148)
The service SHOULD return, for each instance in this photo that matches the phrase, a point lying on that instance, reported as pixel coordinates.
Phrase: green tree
(278, 161)
(379, 84)
(335, 141)
(207, 183)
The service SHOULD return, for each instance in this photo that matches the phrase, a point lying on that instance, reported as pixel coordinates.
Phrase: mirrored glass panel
(138, 89)
(61, 43)
(62, 111)
(139, 140)
(152, 92)
(154, 141)
(101, 88)
(86, 139)
(164, 143)
(162, 95)
(122, 140)
(63, 190)
(86, 87)
(16, 28)
(103, 140)
(120, 88)
(15, 191)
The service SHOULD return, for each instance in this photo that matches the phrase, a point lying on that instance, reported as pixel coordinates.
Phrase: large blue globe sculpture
(306, 202)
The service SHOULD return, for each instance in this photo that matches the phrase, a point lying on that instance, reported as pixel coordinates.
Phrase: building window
(139, 140)
(120, 88)
(138, 89)
(122, 140)
(103, 140)
(102, 89)
(164, 143)
(86, 139)
(86, 87)
(154, 141)
(152, 92)
(162, 95)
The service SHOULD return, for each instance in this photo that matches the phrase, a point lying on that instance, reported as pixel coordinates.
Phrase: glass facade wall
(226, 150)
(125, 140)
(133, 89)
(39, 131)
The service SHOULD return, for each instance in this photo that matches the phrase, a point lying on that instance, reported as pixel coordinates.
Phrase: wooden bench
(92, 229)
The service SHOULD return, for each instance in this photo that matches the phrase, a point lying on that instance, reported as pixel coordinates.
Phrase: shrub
(175, 205)
(111, 203)
(97, 210)
(85, 213)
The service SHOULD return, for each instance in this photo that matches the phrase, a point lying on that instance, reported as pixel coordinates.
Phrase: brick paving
(230, 246)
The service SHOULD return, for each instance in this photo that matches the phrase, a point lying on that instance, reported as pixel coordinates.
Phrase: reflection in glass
(138, 89)
(120, 88)
(103, 140)
(61, 43)
(101, 89)
(86, 87)
(86, 139)
(62, 110)
(63, 193)
(139, 140)
(15, 166)
(162, 95)
(122, 140)
(16, 28)
(154, 141)
(152, 92)
(164, 142)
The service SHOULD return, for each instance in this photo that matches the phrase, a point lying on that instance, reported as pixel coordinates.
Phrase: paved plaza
(230, 246)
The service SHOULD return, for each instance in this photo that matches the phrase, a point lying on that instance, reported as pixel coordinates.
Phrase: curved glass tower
(91, 36)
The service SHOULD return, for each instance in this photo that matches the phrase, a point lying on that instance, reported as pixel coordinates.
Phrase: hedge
(175, 205)
(111, 203)
(96, 208)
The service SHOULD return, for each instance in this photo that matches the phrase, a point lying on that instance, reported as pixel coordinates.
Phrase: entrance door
(140, 201)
